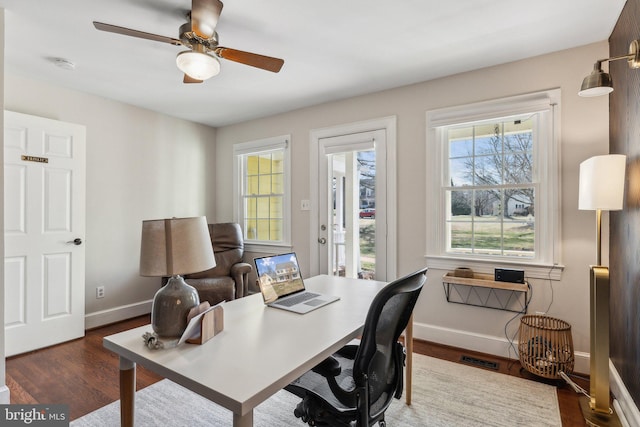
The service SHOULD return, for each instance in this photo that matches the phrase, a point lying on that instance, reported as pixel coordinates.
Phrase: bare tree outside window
(492, 193)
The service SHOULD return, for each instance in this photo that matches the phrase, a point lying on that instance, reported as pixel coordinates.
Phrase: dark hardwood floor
(84, 375)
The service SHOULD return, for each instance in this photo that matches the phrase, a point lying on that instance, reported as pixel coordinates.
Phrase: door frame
(388, 124)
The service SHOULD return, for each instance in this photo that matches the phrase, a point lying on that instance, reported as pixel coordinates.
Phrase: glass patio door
(352, 205)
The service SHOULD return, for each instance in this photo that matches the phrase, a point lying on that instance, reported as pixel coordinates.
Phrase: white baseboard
(582, 365)
(626, 408)
(5, 395)
(497, 346)
(112, 315)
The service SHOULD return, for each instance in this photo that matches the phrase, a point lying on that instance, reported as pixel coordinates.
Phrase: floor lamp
(601, 188)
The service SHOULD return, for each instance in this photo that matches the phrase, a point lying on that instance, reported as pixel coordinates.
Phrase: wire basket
(545, 346)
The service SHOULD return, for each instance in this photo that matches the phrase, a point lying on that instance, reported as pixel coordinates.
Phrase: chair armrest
(240, 273)
(329, 367)
(349, 351)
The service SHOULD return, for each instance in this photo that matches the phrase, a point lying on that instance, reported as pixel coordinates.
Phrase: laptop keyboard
(297, 299)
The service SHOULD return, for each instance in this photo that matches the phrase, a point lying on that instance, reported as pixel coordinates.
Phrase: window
(261, 189)
(495, 196)
(490, 196)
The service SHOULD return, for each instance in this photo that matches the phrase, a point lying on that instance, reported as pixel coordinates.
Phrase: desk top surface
(261, 349)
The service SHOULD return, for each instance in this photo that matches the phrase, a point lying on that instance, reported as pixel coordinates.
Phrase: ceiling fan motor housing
(189, 38)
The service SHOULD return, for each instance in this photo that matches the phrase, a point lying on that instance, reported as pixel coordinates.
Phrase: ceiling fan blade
(135, 33)
(188, 79)
(253, 59)
(204, 17)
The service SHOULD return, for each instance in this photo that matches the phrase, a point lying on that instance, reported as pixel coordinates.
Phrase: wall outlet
(305, 205)
(100, 292)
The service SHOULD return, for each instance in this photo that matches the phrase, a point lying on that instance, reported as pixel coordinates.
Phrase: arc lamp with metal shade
(598, 82)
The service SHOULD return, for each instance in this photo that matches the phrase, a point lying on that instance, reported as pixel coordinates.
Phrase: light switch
(305, 205)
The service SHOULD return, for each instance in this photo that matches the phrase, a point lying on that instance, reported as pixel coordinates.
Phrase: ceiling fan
(200, 62)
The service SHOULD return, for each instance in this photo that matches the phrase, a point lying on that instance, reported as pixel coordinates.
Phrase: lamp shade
(175, 246)
(602, 183)
(596, 84)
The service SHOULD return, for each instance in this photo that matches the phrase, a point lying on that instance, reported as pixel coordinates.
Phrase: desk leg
(245, 420)
(127, 392)
(408, 335)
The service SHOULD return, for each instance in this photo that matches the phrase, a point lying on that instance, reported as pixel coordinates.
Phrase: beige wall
(140, 165)
(584, 132)
(625, 224)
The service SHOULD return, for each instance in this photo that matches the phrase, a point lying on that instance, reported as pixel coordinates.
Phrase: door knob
(322, 241)
(77, 241)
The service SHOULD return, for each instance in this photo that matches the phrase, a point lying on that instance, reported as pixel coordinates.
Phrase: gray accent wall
(624, 131)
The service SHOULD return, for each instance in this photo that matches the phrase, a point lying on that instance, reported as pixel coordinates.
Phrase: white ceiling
(332, 49)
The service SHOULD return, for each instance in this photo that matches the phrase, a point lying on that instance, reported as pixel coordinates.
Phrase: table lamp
(173, 247)
(601, 188)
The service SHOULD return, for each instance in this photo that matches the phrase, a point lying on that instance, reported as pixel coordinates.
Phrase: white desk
(259, 352)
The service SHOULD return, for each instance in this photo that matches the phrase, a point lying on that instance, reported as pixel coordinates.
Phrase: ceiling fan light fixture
(199, 34)
(198, 65)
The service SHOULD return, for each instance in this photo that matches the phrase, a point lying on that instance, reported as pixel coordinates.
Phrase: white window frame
(256, 147)
(546, 263)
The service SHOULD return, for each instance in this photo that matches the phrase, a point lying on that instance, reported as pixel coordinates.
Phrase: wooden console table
(500, 295)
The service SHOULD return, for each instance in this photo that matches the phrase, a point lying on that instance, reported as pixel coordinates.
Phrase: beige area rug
(445, 394)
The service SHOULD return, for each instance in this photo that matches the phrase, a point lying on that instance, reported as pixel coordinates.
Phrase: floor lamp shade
(173, 247)
(602, 183)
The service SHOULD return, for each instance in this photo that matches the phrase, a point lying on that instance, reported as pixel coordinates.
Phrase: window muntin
(263, 190)
(263, 196)
(490, 187)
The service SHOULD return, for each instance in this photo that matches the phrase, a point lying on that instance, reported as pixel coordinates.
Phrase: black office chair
(357, 383)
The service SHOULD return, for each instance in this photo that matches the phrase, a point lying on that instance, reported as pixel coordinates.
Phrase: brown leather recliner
(229, 279)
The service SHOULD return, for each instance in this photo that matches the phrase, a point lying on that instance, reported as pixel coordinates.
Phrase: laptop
(282, 287)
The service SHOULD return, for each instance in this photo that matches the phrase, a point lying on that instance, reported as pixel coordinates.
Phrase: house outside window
(490, 196)
(495, 198)
(261, 189)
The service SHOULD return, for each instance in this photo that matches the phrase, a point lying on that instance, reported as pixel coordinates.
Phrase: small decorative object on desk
(203, 322)
(155, 342)
(207, 322)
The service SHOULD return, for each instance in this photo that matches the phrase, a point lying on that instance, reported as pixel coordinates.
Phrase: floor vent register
(481, 363)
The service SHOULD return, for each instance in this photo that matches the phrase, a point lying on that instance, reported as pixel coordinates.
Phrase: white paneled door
(44, 232)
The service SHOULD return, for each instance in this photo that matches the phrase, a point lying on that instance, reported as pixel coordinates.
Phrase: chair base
(310, 411)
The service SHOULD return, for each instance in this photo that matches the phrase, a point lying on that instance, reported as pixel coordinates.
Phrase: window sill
(267, 248)
(487, 266)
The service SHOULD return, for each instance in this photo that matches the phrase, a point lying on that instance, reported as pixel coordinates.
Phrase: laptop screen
(278, 276)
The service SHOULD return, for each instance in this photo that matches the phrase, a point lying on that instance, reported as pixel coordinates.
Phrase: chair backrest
(228, 248)
(379, 355)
